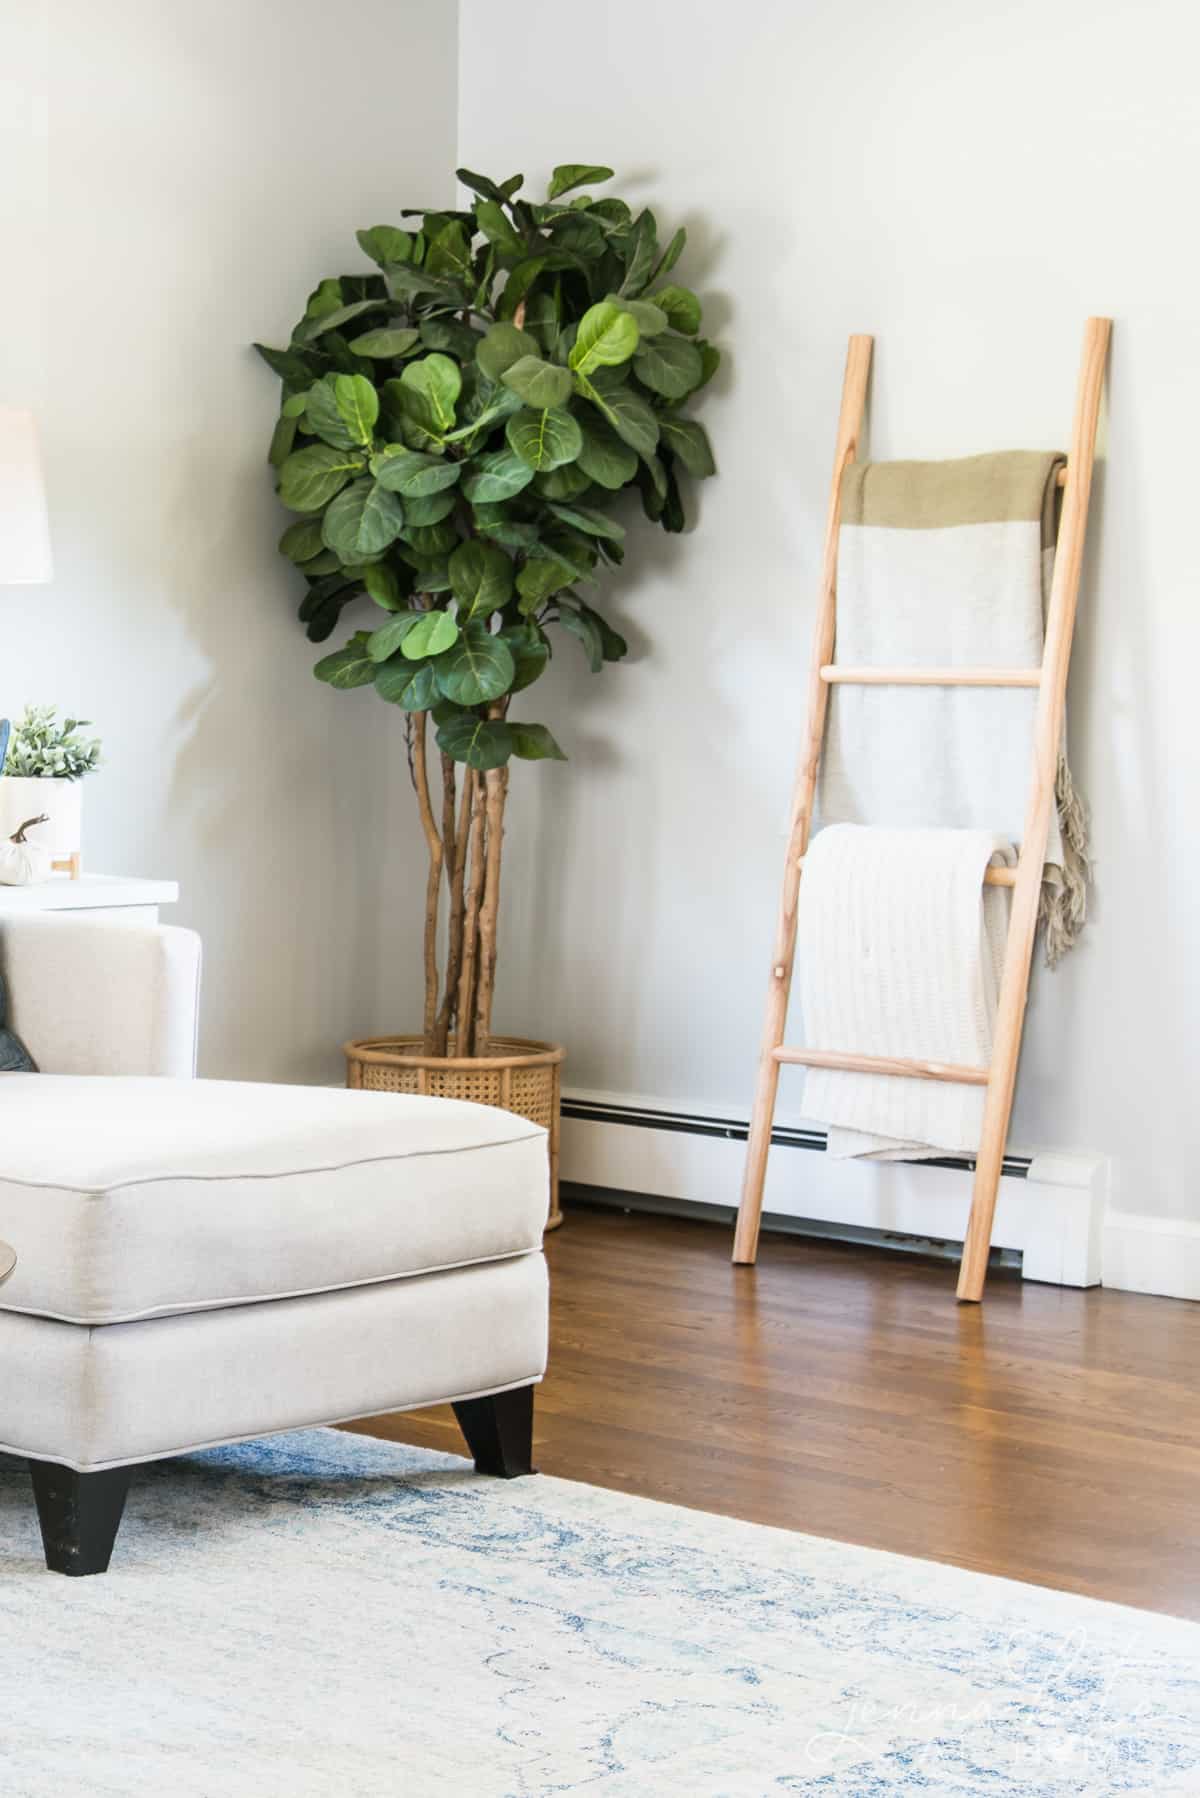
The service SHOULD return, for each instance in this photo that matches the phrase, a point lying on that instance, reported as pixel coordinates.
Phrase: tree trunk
(469, 977)
(455, 824)
(433, 885)
(497, 793)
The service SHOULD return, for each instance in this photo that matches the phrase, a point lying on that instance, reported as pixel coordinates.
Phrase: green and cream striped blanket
(943, 563)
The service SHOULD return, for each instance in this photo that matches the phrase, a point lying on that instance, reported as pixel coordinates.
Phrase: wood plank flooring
(1049, 1435)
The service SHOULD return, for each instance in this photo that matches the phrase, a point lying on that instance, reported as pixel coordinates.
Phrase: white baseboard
(1050, 1207)
(1152, 1254)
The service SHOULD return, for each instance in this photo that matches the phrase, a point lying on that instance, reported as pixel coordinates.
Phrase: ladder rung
(992, 877)
(883, 1064)
(838, 674)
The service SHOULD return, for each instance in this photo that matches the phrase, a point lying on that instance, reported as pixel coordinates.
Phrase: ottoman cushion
(133, 1198)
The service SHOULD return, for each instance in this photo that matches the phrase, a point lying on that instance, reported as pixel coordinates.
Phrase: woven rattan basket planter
(519, 1075)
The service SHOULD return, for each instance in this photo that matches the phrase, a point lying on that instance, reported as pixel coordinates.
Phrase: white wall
(968, 184)
(173, 181)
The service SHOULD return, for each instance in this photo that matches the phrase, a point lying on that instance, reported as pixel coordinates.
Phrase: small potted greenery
(461, 428)
(45, 762)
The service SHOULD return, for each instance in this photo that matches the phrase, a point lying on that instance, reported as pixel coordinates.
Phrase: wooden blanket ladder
(1025, 879)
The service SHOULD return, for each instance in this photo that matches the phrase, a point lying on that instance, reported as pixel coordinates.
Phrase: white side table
(105, 895)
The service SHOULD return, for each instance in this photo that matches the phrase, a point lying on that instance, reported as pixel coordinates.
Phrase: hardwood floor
(1049, 1435)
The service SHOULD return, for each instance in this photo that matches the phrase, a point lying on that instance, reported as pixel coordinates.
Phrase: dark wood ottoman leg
(80, 1514)
(499, 1431)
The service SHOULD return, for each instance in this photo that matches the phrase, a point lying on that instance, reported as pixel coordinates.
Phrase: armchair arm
(98, 996)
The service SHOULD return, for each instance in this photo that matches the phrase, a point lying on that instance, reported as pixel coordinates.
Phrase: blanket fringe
(1063, 907)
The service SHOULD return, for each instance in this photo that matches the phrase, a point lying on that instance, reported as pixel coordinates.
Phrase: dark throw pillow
(14, 1056)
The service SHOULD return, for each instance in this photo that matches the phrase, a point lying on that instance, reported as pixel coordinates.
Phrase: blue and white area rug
(321, 1615)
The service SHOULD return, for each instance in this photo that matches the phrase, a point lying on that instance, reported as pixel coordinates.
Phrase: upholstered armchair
(202, 1261)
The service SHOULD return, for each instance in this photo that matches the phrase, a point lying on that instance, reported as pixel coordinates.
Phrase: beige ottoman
(203, 1261)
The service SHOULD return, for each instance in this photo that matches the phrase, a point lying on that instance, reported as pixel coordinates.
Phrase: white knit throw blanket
(901, 947)
(943, 563)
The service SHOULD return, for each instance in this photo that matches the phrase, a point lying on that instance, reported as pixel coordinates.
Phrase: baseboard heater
(783, 1136)
(732, 1130)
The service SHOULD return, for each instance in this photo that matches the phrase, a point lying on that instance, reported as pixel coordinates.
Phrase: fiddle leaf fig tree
(458, 428)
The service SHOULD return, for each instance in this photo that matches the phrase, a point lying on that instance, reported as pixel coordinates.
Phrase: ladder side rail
(1014, 984)
(850, 420)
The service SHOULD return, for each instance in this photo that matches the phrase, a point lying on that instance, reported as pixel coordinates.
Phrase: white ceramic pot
(22, 796)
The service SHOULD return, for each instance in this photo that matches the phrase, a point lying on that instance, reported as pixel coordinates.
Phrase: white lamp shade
(24, 528)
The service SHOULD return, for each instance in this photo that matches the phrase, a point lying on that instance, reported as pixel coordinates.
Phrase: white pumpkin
(24, 864)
